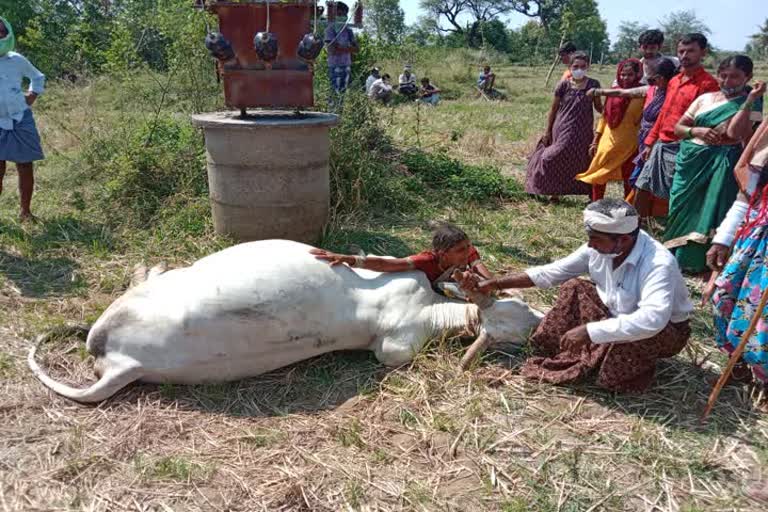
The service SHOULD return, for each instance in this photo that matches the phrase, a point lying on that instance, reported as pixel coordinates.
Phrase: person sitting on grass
(451, 250)
(381, 90)
(486, 80)
(407, 83)
(372, 77)
(634, 311)
(428, 93)
(19, 138)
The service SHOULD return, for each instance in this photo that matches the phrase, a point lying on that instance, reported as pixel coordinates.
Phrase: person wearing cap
(633, 312)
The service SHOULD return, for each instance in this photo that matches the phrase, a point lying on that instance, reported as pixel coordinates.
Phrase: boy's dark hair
(695, 37)
(652, 36)
(665, 68)
(741, 62)
(580, 56)
(385, 75)
(342, 8)
(567, 48)
(425, 80)
(446, 236)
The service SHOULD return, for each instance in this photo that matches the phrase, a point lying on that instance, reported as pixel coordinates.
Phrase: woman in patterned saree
(704, 186)
(744, 275)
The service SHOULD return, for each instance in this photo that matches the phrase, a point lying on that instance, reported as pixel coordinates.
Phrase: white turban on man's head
(611, 216)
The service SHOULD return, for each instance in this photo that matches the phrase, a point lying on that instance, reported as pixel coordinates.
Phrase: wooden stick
(735, 356)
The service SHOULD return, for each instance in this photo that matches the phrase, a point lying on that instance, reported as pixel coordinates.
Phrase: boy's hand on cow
(332, 258)
(575, 339)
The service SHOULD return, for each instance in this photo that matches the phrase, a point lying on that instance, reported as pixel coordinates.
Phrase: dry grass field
(341, 432)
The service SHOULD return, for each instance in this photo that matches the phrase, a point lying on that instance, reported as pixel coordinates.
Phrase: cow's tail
(114, 377)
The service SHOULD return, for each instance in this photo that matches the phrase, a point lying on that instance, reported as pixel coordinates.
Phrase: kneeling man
(634, 311)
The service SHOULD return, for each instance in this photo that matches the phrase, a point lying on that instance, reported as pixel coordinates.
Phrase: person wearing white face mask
(563, 151)
(634, 312)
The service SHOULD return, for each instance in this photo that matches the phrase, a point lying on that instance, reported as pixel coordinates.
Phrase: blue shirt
(14, 68)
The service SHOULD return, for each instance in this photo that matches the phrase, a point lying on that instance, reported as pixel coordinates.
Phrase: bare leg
(642, 203)
(26, 187)
(2, 174)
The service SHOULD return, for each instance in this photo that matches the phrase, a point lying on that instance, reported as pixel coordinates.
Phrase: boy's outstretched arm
(375, 263)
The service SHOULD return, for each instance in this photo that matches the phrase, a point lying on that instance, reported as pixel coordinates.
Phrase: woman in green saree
(704, 186)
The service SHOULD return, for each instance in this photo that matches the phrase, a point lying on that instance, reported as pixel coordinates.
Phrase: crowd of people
(684, 144)
(379, 88)
(687, 146)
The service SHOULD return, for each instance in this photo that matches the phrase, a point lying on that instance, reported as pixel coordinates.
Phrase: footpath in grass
(339, 432)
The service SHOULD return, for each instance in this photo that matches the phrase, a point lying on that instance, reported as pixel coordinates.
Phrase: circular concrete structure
(268, 173)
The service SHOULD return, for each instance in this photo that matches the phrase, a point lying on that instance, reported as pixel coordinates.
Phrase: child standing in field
(19, 139)
(451, 250)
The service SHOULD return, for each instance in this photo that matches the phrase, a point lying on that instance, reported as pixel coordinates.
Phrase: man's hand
(471, 282)
(575, 339)
(646, 154)
(30, 98)
(717, 256)
(593, 149)
(546, 139)
(592, 93)
(333, 258)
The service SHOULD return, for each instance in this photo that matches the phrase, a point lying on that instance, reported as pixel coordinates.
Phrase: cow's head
(500, 320)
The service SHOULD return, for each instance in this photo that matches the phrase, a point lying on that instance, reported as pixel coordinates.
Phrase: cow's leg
(395, 349)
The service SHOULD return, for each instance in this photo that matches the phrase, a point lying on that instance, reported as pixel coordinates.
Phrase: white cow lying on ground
(262, 305)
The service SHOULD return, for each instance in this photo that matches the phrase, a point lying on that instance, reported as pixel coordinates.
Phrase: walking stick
(735, 356)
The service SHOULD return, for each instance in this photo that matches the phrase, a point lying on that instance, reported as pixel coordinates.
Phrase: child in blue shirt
(19, 138)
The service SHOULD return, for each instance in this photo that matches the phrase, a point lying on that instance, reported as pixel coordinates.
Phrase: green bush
(140, 169)
(462, 181)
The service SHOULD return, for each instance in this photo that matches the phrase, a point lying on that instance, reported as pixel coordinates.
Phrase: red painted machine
(265, 50)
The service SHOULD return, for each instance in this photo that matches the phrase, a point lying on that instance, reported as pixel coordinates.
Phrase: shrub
(140, 168)
(462, 181)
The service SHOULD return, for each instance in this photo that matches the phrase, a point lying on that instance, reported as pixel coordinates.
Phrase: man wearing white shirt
(634, 312)
(371, 78)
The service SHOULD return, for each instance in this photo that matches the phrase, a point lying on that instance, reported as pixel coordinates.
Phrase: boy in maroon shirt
(451, 250)
(662, 144)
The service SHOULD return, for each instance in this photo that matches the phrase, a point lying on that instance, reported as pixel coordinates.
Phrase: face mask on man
(578, 74)
(340, 21)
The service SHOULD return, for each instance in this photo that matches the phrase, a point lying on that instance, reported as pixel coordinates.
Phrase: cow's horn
(475, 349)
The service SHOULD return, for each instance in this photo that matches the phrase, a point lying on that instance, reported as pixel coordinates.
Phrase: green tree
(581, 24)
(385, 20)
(758, 42)
(626, 43)
(678, 23)
(547, 12)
